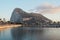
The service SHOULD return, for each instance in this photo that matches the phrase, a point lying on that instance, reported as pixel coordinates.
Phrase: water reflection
(26, 34)
(5, 34)
(29, 33)
(21, 33)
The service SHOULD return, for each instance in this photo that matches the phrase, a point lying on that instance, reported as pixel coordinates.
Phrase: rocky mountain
(20, 16)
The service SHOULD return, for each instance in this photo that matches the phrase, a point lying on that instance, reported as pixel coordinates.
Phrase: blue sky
(7, 6)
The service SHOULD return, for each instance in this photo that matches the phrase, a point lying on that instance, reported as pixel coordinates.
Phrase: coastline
(9, 26)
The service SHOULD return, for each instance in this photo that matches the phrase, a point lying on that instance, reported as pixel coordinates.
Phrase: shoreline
(9, 26)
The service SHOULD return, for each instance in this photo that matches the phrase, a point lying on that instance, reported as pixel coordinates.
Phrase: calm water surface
(5, 34)
(30, 34)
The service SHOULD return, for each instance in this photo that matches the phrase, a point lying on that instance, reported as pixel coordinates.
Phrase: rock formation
(20, 16)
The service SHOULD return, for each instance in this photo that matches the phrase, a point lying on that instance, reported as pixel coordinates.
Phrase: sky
(49, 8)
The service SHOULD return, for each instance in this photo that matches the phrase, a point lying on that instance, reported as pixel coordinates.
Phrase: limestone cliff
(20, 16)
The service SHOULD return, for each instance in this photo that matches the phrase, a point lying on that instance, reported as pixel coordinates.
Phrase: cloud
(47, 8)
(55, 10)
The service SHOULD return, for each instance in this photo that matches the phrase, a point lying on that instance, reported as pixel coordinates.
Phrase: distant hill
(20, 16)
